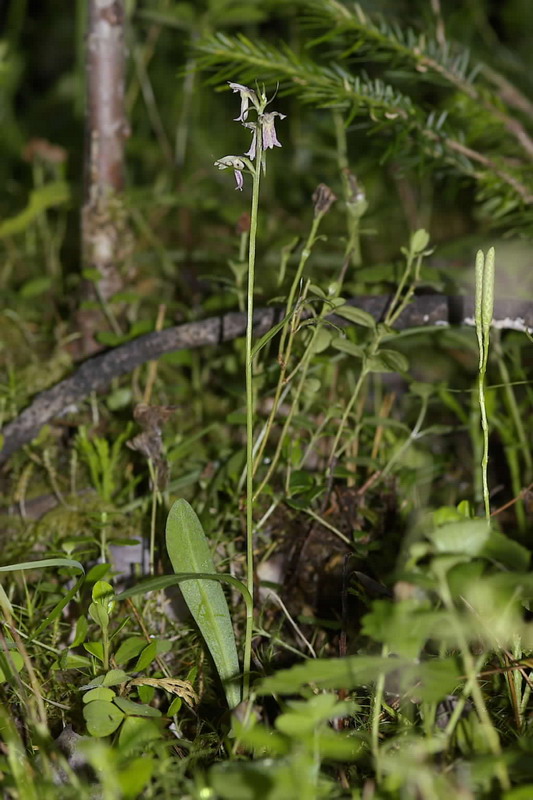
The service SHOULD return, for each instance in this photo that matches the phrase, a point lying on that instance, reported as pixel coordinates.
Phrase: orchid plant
(264, 137)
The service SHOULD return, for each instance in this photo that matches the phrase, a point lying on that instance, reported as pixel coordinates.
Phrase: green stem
(288, 330)
(413, 436)
(303, 368)
(525, 450)
(105, 649)
(396, 308)
(516, 678)
(376, 714)
(485, 456)
(153, 475)
(355, 207)
(350, 405)
(103, 536)
(250, 417)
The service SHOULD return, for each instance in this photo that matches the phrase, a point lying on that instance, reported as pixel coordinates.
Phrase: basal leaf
(188, 550)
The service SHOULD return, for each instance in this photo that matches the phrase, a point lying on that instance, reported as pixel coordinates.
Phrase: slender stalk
(485, 456)
(290, 331)
(483, 317)
(105, 648)
(515, 682)
(353, 195)
(514, 414)
(153, 517)
(303, 366)
(460, 705)
(413, 436)
(250, 416)
(376, 714)
(350, 404)
(103, 536)
(400, 301)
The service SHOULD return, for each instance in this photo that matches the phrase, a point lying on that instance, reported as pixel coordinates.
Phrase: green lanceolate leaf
(188, 550)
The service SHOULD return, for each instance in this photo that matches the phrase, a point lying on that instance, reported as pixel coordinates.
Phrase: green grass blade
(188, 550)
(43, 564)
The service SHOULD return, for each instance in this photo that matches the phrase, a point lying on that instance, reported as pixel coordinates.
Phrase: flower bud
(323, 198)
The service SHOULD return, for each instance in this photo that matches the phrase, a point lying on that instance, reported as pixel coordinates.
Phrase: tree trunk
(105, 239)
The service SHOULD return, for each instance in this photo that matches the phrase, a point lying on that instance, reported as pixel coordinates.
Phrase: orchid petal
(270, 139)
(251, 152)
(247, 96)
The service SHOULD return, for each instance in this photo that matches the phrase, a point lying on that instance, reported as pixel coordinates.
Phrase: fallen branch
(97, 372)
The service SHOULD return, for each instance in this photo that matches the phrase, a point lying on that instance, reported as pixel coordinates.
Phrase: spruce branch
(508, 92)
(386, 109)
(491, 166)
(327, 86)
(427, 56)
